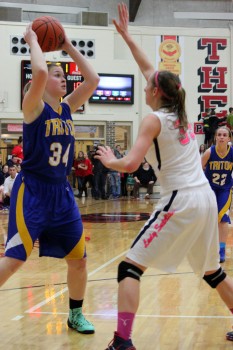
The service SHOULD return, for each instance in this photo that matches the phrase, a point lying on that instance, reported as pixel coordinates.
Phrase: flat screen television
(73, 77)
(114, 89)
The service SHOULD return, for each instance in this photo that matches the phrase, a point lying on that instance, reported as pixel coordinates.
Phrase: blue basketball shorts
(47, 212)
(223, 197)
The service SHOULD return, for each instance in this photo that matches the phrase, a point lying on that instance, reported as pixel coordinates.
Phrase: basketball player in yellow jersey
(218, 162)
(43, 206)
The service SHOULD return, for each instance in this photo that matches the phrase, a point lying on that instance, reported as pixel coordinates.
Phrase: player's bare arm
(122, 27)
(32, 103)
(91, 78)
(205, 158)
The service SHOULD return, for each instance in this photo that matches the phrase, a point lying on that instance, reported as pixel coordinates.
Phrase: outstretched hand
(122, 24)
(105, 155)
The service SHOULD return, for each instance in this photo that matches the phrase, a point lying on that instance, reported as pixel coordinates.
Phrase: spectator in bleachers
(117, 152)
(114, 177)
(18, 150)
(144, 177)
(100, 176)
(83, 172)
(206, 127)
(89, 177)
(202, 149)
(114, 183)
(3, 175)
(5, 171)
(14, 160)
(230, 120)
(215, 122)
(8, 184)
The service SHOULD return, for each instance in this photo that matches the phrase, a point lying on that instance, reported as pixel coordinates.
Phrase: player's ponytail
(172, 95)
(180, 103)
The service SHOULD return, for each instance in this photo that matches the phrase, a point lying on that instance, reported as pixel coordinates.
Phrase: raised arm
(32, 103)
(122, 27)
(91, 78)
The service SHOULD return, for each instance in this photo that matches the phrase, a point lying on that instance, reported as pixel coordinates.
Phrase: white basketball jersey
(177, 161)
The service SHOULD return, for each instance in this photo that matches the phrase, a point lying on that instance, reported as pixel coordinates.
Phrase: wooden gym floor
(177, 311)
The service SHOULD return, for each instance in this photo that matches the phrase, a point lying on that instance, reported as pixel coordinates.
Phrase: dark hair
(12, 166)
(172, 94)
(20, 139)
(213, 111)
(202, 145)
(230, 109)
(5, 165)
(82, 156)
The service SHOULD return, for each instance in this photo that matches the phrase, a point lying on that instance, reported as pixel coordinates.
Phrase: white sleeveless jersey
(177, 162)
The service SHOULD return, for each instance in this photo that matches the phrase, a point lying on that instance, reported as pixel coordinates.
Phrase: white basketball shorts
(184, 223)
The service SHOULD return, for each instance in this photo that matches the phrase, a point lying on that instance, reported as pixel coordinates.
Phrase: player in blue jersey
(218, 162)
(42, 202)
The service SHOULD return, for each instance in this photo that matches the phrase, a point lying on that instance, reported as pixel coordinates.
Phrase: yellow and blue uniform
(43, 206)
(219, 173)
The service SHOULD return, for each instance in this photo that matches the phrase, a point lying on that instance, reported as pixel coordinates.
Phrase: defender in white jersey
(185, 220)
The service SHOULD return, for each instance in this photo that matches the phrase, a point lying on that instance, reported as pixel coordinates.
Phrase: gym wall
(202, 58)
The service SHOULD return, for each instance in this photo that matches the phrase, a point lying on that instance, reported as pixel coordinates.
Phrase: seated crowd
(8, 173)
(108, 183)
(7, 178)
(87, 172)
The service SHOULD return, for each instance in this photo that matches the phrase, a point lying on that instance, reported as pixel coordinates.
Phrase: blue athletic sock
(222, 245)
(222, 250)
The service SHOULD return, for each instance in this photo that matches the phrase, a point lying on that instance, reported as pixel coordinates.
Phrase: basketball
(50, 33)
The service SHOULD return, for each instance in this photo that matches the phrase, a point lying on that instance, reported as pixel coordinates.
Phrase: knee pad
(126, 269)
(215, 278)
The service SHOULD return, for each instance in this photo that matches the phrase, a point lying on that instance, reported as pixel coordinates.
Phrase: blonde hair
(49, 65)
(225, 128)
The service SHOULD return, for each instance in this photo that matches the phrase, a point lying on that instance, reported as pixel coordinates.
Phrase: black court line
(104, 279)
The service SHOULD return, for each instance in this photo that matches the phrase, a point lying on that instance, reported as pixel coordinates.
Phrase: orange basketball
(50, 33)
